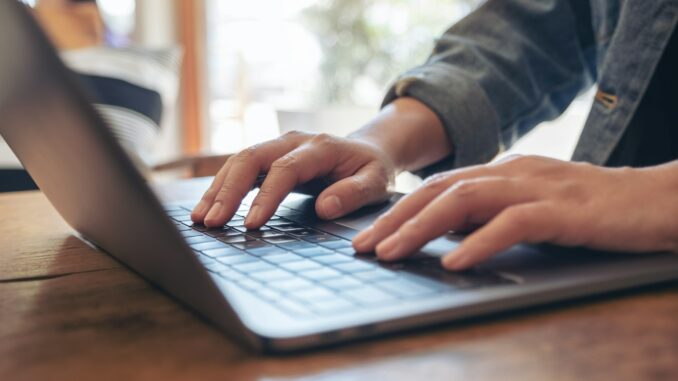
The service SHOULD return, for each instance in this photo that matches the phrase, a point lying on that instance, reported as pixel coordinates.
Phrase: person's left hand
(528, 199)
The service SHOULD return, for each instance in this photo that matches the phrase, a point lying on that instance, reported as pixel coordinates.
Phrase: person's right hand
(359, 173)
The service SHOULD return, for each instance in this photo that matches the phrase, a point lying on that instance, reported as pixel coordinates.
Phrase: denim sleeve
(500, 71)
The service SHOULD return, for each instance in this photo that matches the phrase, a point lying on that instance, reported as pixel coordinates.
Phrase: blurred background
(251, 70)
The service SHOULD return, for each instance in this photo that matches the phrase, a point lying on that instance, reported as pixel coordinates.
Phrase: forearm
(409, 132)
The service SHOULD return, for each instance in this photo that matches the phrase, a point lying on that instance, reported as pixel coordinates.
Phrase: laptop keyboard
(306, 271)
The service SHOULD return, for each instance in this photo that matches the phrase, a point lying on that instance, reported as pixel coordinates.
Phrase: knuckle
(465, 188)
(323, 140)
(246, 155)
(292, 135)
(360, 188)
(436, 182)
(286, 164)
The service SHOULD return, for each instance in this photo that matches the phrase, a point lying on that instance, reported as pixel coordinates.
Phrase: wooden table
(70, 312)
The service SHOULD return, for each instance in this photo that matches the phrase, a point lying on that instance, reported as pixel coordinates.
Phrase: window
(274, 66)
(324, 66)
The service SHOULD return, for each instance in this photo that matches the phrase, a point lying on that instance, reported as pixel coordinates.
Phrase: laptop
(294, 284)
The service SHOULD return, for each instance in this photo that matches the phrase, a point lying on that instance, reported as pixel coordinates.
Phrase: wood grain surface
(68, 312)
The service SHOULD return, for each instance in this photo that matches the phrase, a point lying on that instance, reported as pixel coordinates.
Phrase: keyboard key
(293, 307)
(205, 260)
(188, 233)
(312, 294)
(319, 238)
(369, 295)
(271, 275)
(374, 275)
(277, 221)
(250, 267)
(282, 258)
(268, 294)
(222, 252)
(336, 244)
(332, 306)
(225, 232)
(251, 245)
(232, 275)
(265, 234)
(282, 239)
(342, 283)
(266, 251)
(238, 227)
(198, 227)
(347, 251)
(404, 287)
(303, 232)
(302, 265)
(250, 284)
(207, 246)
(288, 227)
(216, 267)
(296, 245)
(235, 259)
(321, 274)
(332, 259)
(199, 239)
(290, 284)
(353, 266)
(236, 238)
(313, 251)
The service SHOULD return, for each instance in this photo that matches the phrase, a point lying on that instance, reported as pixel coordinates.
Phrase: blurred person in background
(490, 79)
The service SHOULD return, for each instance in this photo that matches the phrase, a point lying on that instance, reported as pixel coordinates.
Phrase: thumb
(367, 186)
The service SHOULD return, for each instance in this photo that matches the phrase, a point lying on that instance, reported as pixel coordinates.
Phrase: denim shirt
(512, 64)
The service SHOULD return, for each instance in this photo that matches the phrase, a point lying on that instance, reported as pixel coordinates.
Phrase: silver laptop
(294, 284)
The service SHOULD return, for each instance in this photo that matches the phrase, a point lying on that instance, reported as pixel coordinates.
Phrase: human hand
(360, 173)
(529, 199)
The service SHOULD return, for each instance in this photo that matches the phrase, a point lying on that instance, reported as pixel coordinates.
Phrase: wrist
(408, 132)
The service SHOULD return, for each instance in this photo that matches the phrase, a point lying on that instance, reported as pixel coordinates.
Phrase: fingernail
(390, 247)
(332, 207)
(454, 261)
(214, 212)
(252, 216)
(362, 239)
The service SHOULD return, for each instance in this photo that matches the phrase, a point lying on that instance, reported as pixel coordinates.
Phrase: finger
(525, 223)
(468, 201)
(368, 185)
(241, 175)
(299, 166)
(200, 210)
(411, 204)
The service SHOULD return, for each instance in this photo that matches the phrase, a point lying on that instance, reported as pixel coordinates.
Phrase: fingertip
(457, 260)
(198, 213)
(255, 217)
(361, 242)
(214, 216)
(390, 248)
(330, 207)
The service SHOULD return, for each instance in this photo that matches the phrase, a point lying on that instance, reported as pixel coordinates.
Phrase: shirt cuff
(470, 121)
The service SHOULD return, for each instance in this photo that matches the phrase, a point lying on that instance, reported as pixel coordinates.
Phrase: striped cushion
(132, 89)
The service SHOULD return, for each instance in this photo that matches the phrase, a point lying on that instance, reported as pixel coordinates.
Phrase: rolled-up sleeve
(500, 71)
